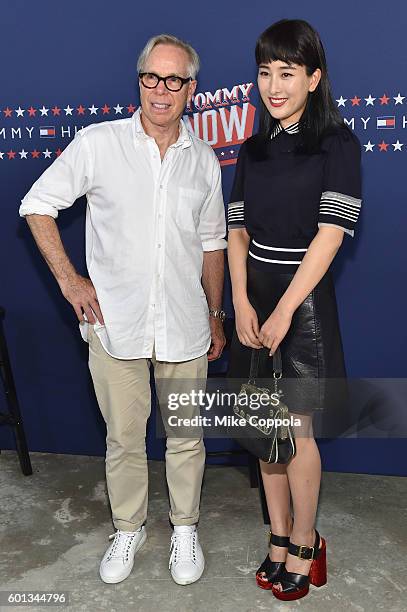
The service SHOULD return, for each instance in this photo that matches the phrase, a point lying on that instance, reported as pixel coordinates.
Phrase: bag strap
(277, 363)
(254, 365)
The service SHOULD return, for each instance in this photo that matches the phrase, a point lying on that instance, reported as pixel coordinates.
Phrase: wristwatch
(218, 314)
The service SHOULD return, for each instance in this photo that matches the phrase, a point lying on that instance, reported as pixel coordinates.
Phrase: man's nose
(161, 88)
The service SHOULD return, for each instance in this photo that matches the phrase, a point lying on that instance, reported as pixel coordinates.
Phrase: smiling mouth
(277, 101)
(160, 106)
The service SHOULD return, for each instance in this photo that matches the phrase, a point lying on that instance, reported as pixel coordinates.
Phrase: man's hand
(81, 294)
(247, 326)
(274, 330)
(79, 291)
(218, 339)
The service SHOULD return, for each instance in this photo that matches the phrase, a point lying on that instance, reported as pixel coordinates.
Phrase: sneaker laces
(183, 547)
(121, 544)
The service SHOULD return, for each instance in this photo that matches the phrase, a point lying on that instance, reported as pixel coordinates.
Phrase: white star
(398, 99)
(370, 100)
(368, 147)
(222, 153)
(23, 154)
(231, 152)
(68, 110)
(118, 109)
(1, 155)
(47, 154)
(341, 101)
(93, 110)
(397, 145)
(44, 111)
(20, 111)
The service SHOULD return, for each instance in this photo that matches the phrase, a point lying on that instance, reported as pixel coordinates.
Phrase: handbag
(265, 432)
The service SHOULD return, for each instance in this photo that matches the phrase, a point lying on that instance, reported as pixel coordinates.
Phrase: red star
(11, 154)
(131, 108)
(35, 154)
(58, 152)
(32, 111)
(8, 112)
(355, 101)
(56, 111)
(81, 110)
(384, 99)
(383, 146)
(106, 109)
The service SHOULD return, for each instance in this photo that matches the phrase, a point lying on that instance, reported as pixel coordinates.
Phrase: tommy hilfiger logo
(362, 123)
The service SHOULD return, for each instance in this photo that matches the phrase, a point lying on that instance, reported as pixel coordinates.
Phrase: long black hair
(295, 41)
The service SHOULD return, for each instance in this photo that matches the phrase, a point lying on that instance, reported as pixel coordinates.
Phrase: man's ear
(191, 90)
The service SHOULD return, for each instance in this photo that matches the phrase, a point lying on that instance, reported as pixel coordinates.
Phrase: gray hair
(168, 39)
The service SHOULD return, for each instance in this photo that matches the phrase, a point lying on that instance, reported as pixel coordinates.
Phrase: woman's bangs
(270, 49)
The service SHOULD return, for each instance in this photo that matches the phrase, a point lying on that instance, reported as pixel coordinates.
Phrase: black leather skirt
(314, 374)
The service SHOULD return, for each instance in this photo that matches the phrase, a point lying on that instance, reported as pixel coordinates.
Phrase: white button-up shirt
(148, 224)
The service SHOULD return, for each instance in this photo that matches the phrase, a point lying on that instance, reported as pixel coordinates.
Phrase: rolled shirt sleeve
(236, 203)
(212, 222)
(63, 182)
(341, 197)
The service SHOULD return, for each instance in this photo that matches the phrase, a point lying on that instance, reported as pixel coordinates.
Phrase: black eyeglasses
(172, 82)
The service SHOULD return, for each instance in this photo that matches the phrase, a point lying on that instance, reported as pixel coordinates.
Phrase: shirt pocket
(189, 204)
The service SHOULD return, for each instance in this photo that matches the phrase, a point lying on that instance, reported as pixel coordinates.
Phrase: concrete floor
(54, 527)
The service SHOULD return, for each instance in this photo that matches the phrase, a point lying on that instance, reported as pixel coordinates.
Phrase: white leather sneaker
(186, 557)
(118, 560)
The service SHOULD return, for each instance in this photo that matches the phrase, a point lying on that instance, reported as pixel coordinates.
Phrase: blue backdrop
(67, 66)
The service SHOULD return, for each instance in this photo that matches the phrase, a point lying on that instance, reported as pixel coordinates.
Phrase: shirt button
(161, 186)
(159, 246)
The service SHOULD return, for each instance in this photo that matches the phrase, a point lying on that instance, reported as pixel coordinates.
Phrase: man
(155, 229)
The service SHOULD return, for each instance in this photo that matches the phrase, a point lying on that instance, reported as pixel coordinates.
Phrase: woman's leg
(304, 478)
(277, 492)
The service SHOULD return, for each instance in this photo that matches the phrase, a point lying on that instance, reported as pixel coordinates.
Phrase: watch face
(221, 315)
(218, 314)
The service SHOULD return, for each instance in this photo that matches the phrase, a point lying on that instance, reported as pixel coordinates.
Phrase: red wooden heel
(318, 572)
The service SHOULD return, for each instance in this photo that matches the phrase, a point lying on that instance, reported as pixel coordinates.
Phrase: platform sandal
(295, 586)
(272, 569)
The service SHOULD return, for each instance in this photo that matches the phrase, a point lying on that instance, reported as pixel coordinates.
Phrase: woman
(296, 193)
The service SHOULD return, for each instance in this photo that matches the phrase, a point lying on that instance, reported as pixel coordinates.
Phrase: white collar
(294, 128)
(184, 137)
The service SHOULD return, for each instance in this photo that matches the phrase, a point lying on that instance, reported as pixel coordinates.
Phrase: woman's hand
(247, 325)
(274, 329)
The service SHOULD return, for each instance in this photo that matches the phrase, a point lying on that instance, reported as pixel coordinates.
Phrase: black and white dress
(282, 198)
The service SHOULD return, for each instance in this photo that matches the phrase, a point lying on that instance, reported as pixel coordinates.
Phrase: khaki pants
(123, 392)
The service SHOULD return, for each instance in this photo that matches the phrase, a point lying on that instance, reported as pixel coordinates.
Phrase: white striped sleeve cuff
(236, 215)
(340, 210)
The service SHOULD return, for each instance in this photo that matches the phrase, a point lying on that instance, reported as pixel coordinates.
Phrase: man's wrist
(217, 313)
(67, 278)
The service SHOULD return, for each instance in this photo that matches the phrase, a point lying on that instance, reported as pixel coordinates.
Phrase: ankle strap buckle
(306, 550)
